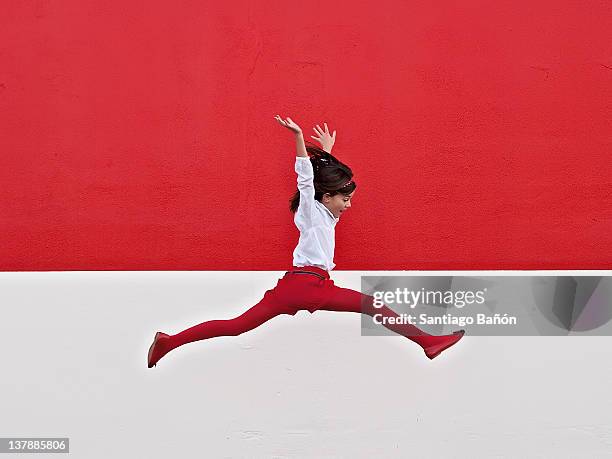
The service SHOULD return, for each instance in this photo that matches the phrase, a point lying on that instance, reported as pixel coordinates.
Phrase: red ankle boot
(157, 351)
(445, 342)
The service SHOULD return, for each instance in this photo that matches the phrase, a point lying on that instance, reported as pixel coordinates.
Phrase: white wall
(73, 347)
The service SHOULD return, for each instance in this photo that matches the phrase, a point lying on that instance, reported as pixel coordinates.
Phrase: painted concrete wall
(73, 348)
(140, 136)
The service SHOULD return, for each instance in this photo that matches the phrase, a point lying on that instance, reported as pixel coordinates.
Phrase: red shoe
(155, 351)
(435, 350)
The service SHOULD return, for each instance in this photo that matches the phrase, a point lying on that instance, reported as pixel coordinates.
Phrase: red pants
(295, 292)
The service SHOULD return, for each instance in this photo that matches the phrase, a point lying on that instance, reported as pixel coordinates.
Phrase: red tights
(295, 292)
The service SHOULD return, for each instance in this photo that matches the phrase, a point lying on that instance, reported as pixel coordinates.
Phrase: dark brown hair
(330, 175)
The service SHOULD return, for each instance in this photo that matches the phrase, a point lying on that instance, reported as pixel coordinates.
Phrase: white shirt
(315, 222)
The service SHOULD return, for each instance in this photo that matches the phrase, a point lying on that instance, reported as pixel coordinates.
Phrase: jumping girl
(325, 188)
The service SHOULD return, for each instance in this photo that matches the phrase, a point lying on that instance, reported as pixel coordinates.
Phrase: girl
(324, 191)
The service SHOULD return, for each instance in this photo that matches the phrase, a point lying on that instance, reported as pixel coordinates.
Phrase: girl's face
(337, 203)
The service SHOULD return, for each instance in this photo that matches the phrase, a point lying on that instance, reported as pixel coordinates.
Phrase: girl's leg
(347, 300)
(268, 308)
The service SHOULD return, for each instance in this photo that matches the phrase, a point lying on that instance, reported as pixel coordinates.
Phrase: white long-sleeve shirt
(315, 221)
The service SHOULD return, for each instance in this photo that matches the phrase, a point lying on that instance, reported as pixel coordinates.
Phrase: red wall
(140, 136)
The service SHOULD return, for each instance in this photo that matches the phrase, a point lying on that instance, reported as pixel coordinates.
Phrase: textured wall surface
(140, 135)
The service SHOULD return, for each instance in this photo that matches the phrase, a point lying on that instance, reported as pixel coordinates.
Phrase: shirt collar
(325, 209)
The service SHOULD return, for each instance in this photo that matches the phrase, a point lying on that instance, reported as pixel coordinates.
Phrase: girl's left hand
(325, 139)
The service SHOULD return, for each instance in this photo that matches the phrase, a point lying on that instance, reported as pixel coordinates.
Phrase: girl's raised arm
(299, 136)
(305, 176)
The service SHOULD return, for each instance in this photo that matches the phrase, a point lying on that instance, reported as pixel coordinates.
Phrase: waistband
(311, 270)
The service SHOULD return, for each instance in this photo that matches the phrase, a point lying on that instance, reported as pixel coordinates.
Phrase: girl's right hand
(289, 124)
